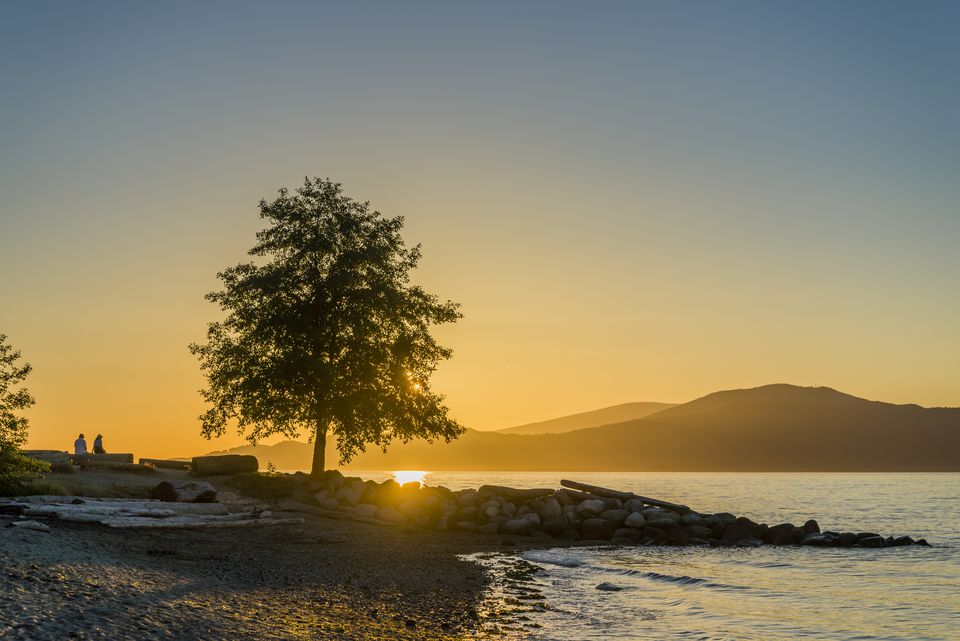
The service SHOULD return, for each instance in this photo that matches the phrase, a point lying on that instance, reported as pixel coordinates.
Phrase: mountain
(770, 428)
(595, 418)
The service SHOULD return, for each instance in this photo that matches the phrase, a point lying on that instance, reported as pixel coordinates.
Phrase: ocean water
(743, 594)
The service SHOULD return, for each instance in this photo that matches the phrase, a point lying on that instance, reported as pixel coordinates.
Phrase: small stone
(609, 587)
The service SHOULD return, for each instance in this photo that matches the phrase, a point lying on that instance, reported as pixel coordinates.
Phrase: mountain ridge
(777, 427)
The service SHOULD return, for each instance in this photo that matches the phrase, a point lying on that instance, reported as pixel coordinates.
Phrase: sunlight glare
(410, 476)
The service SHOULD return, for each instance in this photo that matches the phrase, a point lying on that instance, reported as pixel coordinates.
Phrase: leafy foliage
(326, 332)
(14, 466)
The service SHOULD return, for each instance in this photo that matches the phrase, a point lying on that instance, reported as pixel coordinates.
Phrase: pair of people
(80, 445)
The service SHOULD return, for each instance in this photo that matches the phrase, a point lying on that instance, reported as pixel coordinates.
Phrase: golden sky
(623, 215)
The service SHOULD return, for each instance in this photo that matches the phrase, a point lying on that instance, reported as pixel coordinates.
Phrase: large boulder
(736, 532)
(591, 508)
(224, 465)
(596, 529)
(635, 519)
(617, 517)
(515, 526)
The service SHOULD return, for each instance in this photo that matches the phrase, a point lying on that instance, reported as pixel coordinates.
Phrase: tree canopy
(325, 332)
(14, 466)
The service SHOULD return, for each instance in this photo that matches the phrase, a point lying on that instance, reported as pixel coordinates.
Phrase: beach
(324, 579)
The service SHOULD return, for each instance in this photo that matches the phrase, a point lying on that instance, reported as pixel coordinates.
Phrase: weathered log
(48, 456)
(225, 464)
(167, 464)
(577, 496)
(624, 496)
(87, 459)
(171, 524)
(185, 492)
(516, 494)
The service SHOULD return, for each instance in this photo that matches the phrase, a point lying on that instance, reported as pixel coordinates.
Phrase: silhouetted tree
(14, 466)
(326, 333)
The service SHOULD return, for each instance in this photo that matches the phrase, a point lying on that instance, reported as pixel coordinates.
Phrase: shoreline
(326, 578)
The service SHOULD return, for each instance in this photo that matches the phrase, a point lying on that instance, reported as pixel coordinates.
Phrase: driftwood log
(184, 492)
(624, 496)
(48, 456)
(173, 524)
(167, 464)
(225, 464)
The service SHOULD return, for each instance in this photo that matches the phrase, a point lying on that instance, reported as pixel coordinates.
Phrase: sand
(325, 579)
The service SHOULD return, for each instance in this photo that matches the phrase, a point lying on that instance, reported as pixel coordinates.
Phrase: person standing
(80, 446)
(98, 445)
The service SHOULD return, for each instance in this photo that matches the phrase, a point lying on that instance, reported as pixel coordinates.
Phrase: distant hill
(770, 428)
(595, 418)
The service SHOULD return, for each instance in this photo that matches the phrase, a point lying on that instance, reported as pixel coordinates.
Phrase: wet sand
(324, 579)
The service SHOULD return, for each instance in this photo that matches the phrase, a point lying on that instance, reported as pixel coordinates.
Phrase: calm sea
(743, 594)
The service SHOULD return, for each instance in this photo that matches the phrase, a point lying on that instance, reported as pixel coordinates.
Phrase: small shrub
(63, 468)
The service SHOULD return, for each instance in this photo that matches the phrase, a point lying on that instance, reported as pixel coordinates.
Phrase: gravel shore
(325, 579)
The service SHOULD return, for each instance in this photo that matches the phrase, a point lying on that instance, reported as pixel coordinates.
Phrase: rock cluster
(565, 514)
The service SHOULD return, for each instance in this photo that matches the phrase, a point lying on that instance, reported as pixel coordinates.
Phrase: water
(745, 594)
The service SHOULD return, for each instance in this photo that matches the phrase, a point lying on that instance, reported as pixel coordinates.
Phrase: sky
(637, 201)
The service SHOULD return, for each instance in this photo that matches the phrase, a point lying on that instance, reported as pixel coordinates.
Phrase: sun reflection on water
(410, 476)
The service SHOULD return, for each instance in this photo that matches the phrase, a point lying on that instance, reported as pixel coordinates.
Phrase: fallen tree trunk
(167, 464)
(226, 464)
(185, 492)
(288, 505)
(624, 496)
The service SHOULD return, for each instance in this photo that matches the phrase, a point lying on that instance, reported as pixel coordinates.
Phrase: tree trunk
(319, 451)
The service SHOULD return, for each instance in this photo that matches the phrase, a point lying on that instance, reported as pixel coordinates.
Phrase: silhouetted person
(80, 446)
(98, 445)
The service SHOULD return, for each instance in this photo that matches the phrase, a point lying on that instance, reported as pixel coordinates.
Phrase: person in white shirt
(80, 446)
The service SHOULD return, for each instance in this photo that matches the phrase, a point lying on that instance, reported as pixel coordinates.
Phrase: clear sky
(632, 201)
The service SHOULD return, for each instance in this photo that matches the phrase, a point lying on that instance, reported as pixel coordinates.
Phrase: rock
(515, 526)
(36, 526)
(635, 519)
(609, 587)
(465, 526)
(567, 532)
(350, 494)
(550, 509)
(326, 502)
(633, 505)
(736, 532)
(698, 532)
(467, 497)
(726, 518)
(631, 535)
(922, 542)
(391, 514)
(184, 492)
(365, 509)
(596, 529)
(224, 464)
(655, 534)
(901, 540)
(781, 534)
(866, 535)
(591, 507)
(872, 542)
(811, 527)
(691, 518)
(532, 518)
(845, 539)
(698, 542)
(750, 543)
(817, 539)
(617, 517)
(410, 508)
(488, 528)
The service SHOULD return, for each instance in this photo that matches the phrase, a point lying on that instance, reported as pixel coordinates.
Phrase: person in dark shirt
(98, 445)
